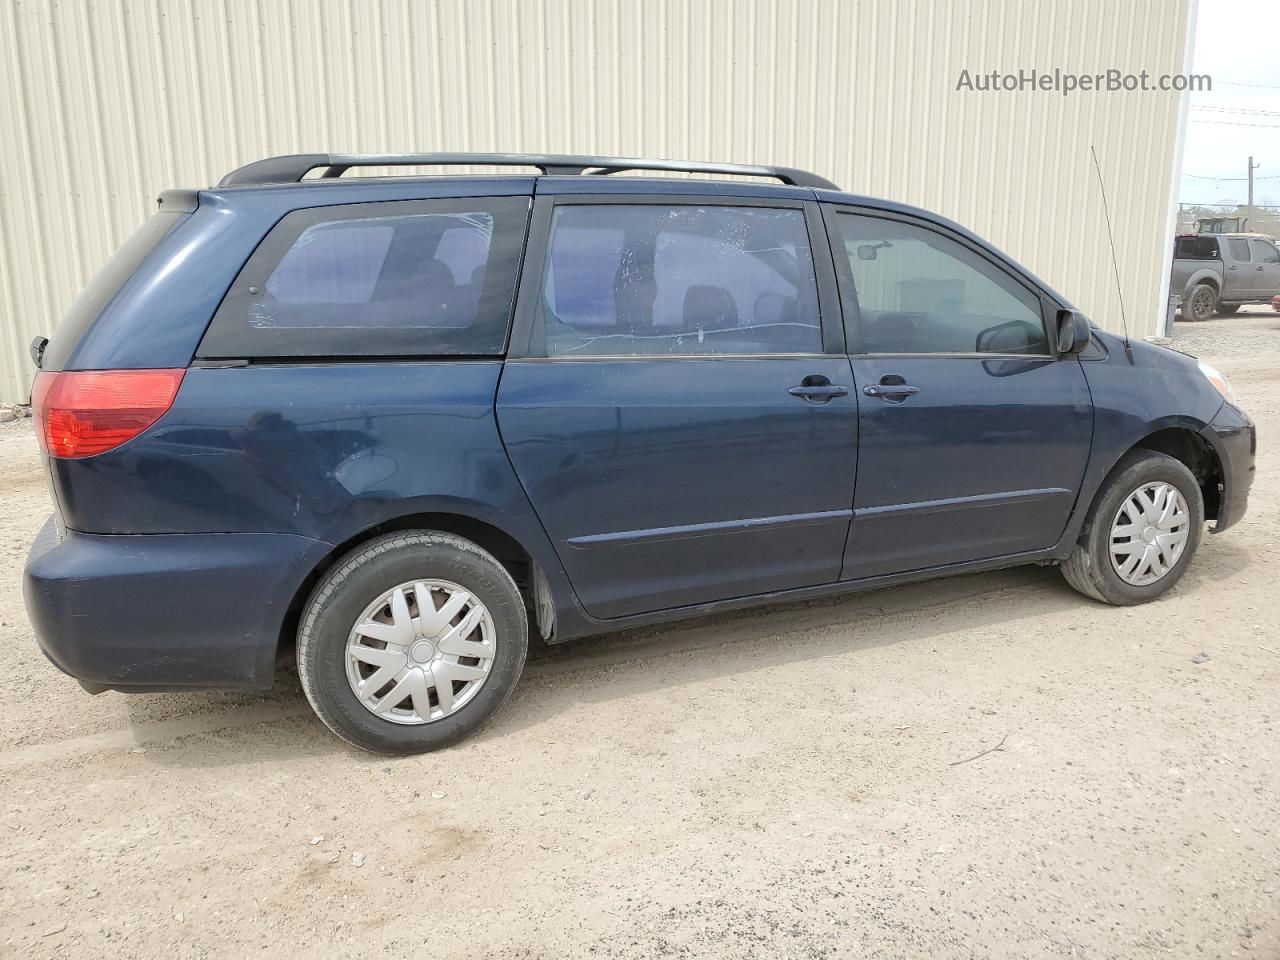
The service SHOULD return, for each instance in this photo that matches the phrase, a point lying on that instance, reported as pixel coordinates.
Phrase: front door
(974, 437)
(671, 406)
(1241, 279)
(1266, 268)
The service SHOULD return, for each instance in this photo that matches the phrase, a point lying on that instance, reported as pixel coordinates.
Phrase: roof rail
(292, 168)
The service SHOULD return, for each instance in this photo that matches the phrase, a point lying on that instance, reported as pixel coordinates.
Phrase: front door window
(922, 292)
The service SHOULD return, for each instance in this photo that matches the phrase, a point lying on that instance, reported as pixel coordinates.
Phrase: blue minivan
(403, 422)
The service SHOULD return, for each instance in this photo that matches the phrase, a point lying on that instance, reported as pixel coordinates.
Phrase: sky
(1238, 44)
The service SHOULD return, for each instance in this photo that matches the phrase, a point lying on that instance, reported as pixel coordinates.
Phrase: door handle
(890, 391)
(819, 392)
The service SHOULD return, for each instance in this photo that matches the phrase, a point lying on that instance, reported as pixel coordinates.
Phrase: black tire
(357, 580)
(1200, 303)
(1227, 309)
(1089, 568)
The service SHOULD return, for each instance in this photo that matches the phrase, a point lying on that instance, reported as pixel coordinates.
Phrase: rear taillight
(80, 413)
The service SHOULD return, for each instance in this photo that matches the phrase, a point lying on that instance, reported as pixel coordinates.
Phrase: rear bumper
(167, 611)
(1235, 439)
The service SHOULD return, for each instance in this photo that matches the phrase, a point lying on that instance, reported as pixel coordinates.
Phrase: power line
(1232, 204)
(1199, 176)
(1237, 123)
(1245, 110)
(1266, 208)
(1259, 86)
(1270, 207)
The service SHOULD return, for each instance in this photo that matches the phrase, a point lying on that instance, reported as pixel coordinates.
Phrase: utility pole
(1252, 167)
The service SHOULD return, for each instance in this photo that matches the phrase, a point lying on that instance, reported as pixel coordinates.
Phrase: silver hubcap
(420, 652)
(1149, 533)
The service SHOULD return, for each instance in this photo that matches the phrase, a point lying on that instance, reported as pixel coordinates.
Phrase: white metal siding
(105, 104)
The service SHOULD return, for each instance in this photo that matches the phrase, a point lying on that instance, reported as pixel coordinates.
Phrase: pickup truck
(1220, 272)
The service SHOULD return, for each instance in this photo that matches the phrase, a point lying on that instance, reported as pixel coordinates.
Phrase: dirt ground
(786, 783)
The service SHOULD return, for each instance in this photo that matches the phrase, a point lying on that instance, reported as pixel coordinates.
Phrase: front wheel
(1141, 532)
(411, 641)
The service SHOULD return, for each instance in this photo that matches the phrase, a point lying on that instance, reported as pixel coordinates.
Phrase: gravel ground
(786, 783)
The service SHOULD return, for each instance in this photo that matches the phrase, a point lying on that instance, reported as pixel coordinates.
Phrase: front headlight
(1219, 382)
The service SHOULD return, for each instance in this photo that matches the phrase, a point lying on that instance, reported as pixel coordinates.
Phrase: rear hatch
(175, 207)
(78, 413)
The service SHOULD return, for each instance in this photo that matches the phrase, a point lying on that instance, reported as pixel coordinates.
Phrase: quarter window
(653, 280)
(335, 264)
(921, 292)
(419, 278)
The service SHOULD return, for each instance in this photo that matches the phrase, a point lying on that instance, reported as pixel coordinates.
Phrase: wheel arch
(516, 559)
(1183, 441)
(1209, 278)
(1090, 565)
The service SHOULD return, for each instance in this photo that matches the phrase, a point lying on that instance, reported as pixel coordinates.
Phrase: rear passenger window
(654, 280)
(1196, 248)
(1239, 249)
(921, 292)
(413, 278)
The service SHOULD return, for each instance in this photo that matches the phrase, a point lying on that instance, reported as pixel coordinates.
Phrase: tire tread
(335, 579)
(1081, 569)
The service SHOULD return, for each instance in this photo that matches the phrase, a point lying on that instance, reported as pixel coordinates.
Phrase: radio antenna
(1115, 264)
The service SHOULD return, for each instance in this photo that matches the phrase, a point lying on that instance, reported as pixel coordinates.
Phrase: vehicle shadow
(1217, 559)
(215, 729)
(221, 728)
(231, 729)
(749, 640)
(745, 641)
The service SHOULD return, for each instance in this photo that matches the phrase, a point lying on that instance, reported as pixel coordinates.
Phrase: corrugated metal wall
(107, 103)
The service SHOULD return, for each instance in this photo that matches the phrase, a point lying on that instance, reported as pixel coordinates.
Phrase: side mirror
(1014, 336)
(866, 251)
(37, 350)
(1073, 332)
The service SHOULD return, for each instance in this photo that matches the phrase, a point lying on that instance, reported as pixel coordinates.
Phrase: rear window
(411, 278)
(106, 283)
(1196, 248)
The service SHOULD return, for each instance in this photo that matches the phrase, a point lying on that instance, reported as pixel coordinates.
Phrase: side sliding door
(677, 403)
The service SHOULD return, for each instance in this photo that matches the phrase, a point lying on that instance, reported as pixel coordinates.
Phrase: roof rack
(292, 168)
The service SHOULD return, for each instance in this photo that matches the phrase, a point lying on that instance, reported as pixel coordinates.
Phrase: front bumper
(164, 611)
(1235, 439)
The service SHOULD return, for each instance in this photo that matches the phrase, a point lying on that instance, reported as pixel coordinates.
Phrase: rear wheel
(1227, 309)
(1141, 532)
(411, 641)
(1201, 303)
